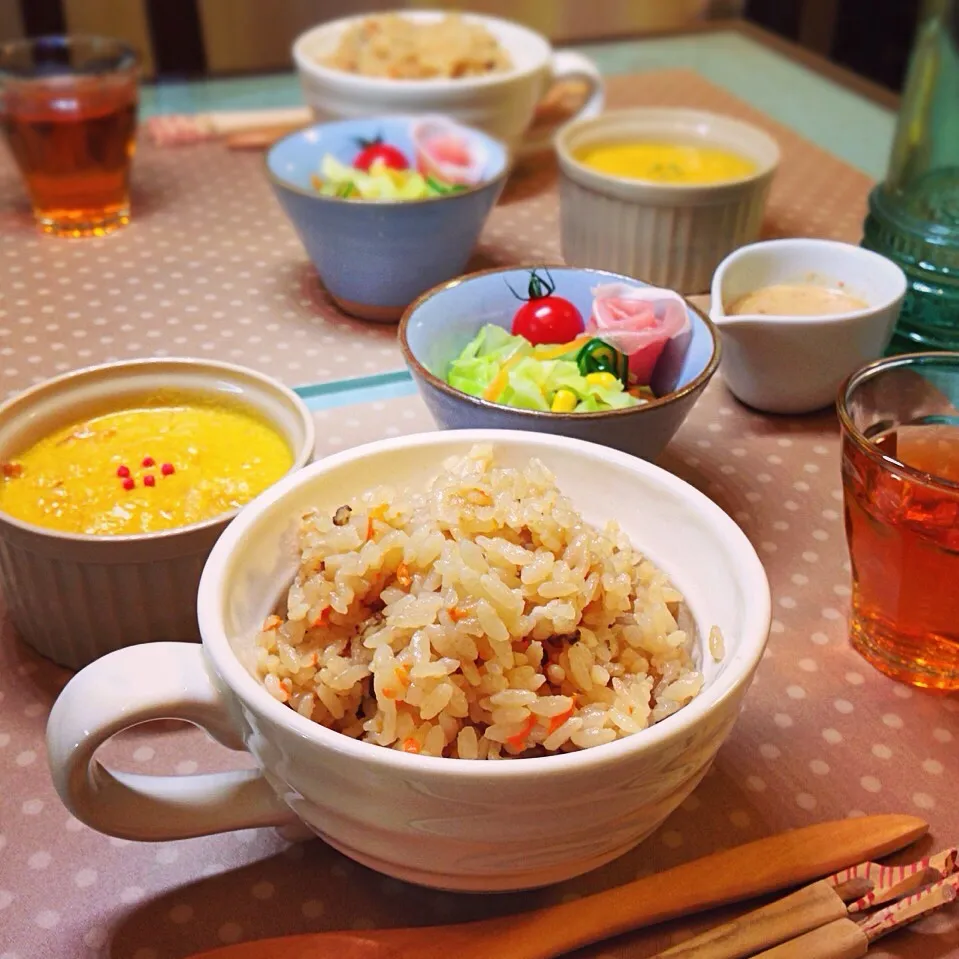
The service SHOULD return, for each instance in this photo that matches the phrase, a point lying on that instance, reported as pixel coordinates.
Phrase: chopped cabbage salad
(380, 182)
(507, 369)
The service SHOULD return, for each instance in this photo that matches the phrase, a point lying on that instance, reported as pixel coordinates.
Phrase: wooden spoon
(764, 866)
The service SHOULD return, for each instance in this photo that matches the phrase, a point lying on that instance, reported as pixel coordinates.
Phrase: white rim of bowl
(279, 182)
(371, 84)
(301, 456)
(718, 307)
(254, 694)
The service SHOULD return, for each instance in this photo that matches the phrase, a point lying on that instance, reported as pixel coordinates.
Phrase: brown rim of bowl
(508, 163)
(862, 442)
(303, 454)
(565, 154)
(698, 382)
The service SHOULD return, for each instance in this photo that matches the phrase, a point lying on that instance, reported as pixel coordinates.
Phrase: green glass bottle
(914, 214)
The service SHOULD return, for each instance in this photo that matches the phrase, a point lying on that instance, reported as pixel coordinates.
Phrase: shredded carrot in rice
(519, 739)
(456, 614)
(323, 619)
(403, 575)
(376, 512)
(271, 622)
(389, 692)
(557, 721)
(411, 745)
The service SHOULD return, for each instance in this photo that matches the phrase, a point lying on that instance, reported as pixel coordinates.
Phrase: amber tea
(902, 522)
(69, 115)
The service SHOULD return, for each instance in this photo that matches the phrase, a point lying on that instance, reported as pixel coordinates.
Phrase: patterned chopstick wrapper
(894, 882)
(911, 908)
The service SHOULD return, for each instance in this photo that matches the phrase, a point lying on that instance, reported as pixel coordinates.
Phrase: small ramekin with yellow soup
(656, 161)
(114, 484)
(660, 193)
(158, 461)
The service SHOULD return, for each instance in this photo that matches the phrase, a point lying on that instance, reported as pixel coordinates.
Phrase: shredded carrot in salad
(498, 383)
(561, 349)
(501, 380)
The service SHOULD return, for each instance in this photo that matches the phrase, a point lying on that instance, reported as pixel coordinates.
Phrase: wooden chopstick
(810, 907)
(848, 939)
(841, 939)
(258, 139)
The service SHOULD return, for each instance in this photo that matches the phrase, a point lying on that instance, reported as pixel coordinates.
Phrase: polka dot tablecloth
(209, 267)
(822, 736)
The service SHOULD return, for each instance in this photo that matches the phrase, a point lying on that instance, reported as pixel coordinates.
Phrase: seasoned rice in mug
(478, 618)
(400, 48)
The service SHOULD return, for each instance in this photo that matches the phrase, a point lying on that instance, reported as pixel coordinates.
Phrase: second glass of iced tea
(68, 107)
(900, 470)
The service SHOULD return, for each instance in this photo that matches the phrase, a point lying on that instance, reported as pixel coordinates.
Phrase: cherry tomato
(376, 149)
(545, 318)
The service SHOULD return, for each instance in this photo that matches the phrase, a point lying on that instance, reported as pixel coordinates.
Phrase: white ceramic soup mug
(448, 823)
(503, 104)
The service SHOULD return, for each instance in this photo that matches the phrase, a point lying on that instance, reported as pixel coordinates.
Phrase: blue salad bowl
(376, 256)
(434, 330)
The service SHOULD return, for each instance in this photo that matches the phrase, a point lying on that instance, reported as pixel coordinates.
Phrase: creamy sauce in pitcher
(796, 299)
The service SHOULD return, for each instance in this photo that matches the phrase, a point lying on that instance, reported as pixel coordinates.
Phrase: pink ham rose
(638, 321)
(448, 151)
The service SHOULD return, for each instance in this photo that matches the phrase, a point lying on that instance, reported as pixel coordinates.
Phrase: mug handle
(568, 65)
(135, 685)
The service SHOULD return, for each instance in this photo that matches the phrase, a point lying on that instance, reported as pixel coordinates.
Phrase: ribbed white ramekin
(670, 235)
(74, 598)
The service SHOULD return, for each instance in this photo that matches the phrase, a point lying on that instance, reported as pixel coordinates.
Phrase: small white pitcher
(795, 364)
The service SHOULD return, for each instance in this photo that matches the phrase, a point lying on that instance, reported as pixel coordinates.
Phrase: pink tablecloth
(209, 267)
(822, 736)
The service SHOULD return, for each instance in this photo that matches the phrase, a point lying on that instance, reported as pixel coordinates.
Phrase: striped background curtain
(195, 37)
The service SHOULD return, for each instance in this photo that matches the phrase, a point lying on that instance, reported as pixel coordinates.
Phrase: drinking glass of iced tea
(900, 473)
(68, 106)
